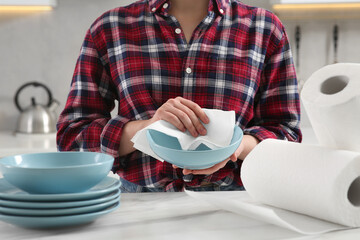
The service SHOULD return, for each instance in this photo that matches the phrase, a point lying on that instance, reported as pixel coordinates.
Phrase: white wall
(45, 46)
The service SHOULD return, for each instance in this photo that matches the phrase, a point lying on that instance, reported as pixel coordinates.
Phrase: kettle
(36, 118)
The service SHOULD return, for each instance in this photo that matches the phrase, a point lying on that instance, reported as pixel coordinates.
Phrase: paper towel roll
(311, 180)
(331, 97)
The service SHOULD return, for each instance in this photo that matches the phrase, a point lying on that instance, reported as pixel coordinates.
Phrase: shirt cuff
(260, 133)
(111, 134)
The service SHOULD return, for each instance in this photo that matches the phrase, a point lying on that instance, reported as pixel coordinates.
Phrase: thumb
(233, 157)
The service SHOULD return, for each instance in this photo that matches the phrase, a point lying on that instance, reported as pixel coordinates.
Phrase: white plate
(8, 191)
(55, 205)
(57, 221)
(59, 211)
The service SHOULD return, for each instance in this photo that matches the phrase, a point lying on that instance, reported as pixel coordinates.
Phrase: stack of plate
(57, 210)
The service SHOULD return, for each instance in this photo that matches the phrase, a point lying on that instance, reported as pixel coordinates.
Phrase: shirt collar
(219, 5)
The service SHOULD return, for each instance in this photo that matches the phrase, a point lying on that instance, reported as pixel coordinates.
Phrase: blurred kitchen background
(43, 45)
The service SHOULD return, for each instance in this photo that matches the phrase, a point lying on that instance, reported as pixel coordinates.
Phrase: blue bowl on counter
(169, 149)
(56, 172)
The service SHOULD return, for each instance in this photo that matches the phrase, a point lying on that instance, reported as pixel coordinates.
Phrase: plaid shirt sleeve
(86, 117)
(277, 104)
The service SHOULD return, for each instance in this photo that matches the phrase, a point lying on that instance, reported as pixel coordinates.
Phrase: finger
(194, 120)
(233, 157)
(196, 109)
(187, 171)
(210, 170)
(236, 154)
(180, 113)
(174, 166)
(173, 119)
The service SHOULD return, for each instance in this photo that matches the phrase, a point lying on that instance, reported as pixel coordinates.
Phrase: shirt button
(153, 9)
(221, 11)
(188, 70)
(165, 5)
(178, 31)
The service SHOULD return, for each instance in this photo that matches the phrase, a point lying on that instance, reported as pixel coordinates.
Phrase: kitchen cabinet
(318, 9)
(28, 2)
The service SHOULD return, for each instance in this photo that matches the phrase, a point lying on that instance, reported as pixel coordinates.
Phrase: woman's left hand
(216, 167)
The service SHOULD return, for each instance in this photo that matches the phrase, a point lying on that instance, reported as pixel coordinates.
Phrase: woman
(168, 59)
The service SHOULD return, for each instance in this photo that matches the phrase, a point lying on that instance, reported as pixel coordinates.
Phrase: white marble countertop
(156, 215)
(175, 216)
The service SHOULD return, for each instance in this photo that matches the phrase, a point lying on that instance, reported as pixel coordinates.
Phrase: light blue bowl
(56, 172)
(169, 149)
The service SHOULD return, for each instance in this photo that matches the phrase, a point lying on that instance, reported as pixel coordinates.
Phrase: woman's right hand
(183, 114)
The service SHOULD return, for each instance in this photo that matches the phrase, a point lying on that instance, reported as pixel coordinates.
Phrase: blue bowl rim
(148, 135)
(107, 160)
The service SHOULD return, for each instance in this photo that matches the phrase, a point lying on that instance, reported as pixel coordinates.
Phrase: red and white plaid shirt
(238, 59)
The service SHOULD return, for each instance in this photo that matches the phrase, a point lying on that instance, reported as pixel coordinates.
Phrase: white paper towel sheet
(331, 97)
(220, 131)
(309, 189)
(241, 203)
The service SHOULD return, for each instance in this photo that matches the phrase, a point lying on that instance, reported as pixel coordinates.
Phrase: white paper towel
(313, 180)
(241, 203)
(220, 130)
(331, 97)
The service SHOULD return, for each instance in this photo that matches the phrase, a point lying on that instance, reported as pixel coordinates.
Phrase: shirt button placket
(177, 30)
(188, 83)
(188, 70)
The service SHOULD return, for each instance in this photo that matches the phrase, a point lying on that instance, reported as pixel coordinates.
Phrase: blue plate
(59, 211)
(56, 205)
(106, 186)
(169, 149)
(57, 221)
